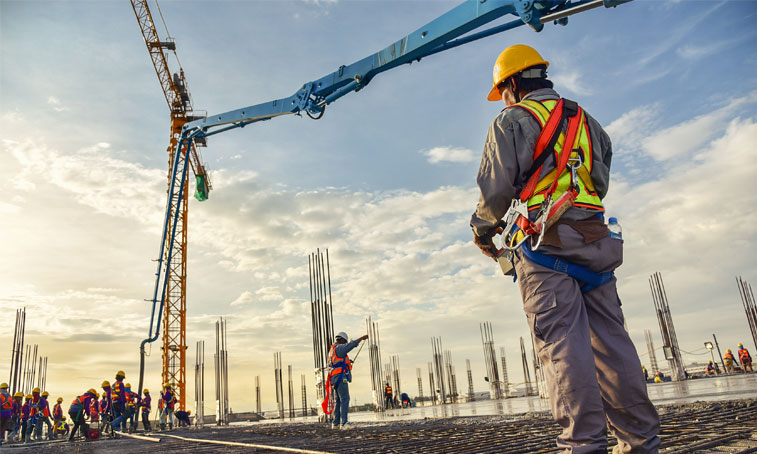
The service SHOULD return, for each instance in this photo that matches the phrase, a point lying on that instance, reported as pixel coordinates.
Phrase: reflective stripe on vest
(334, 360)
(587, 196)
(7, 402)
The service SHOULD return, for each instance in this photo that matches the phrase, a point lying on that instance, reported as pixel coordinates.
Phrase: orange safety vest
(728, 356)
(535, 191)
(6, 403)
(388, 390)
(337, 363)
(744, 355)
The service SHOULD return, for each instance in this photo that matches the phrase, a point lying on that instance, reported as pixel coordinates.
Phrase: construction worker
(146, 405)
(16, 416)
(710, 369)
(405, 400)
(730, 362)
(57, 414)
(26, 411)
(94, 408)
(118, 401)
(183, 418)
(61, 427)
(6, 410)
(745, 358)
(388, 402)
(131, 408)
(340, 375)
(590, 363)
(77, 411)
(34, 415)
(169, 400)
(43, 417)
(106, 407)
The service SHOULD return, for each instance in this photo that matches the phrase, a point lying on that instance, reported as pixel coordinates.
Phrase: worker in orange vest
(730, 362)
(388, 402)
(6, 410)
(340, 375)
(745, 358)
(57, 415)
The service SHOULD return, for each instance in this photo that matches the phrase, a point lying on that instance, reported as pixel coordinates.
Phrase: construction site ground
(698, 427)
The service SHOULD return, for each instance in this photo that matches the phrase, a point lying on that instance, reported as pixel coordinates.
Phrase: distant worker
(388, 402)
(132, 408)
(710, 369)
(119, 403)
(16, 416)
(94, 408)
(6, 410)
(745, 358)
(43, 417)
(405, 400)
(106, 406)
(169, 401)
(146, 405)
(183, 418)
(79, 409)
(730, 362)
(57, 414)
(26, 411)
(568, 289)
(340, 375)
(33, 416)
(646, 374)
(62, 427)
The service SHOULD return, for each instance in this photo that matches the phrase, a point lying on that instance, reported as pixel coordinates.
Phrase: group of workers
(394, 402)
(115, 410)
(731, 364)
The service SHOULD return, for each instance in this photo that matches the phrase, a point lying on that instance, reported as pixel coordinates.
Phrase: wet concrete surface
(702, 419)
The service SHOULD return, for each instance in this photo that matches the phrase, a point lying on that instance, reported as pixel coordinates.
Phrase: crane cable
(168, 34)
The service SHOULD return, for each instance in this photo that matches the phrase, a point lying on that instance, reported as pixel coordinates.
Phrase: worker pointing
(545, 156)
(340, 375)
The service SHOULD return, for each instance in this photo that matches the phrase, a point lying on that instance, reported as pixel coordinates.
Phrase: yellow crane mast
(174, 349)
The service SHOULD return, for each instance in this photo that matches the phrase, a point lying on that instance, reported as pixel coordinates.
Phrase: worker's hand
(485, 243)
(362, 338)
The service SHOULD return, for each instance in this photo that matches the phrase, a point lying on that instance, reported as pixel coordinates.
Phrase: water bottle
(615, 230)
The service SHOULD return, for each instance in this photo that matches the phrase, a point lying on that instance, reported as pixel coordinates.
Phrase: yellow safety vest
(587, 196)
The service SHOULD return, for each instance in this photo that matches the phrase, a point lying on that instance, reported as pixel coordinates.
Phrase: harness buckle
(574, 164)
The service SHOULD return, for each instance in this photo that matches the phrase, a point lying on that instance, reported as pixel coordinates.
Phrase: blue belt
(588, 279)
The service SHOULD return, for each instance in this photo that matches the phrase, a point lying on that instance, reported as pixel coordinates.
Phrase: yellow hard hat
(728, 350)
(63, 418)
(106, 384)
(146, 391)
(92, 391)
(35, 390)
(29, 396)
(189, 412)
(4, 386)
(127, 385)
(740, 345)
(60, 399)
(511, 61)
(45, 394)
(121, 373)
(19, 394)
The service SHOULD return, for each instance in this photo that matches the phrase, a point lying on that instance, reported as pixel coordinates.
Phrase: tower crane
(452, 29)
(174, 294)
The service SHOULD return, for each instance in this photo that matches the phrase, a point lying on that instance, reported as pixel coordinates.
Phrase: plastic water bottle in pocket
(615, 230)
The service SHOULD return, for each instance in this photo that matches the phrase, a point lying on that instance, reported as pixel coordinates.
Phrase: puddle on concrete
(707, 389)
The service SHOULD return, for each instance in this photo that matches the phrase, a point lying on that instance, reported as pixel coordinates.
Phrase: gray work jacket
(508, 155)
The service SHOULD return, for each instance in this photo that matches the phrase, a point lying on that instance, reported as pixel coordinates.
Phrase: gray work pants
(593, 373)
(342, 403)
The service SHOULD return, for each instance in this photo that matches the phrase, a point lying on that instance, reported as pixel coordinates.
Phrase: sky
(385, 181)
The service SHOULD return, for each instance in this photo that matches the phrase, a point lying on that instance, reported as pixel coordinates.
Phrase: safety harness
(568, 176)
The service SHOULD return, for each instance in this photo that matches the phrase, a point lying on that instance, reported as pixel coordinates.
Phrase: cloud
(449, 154)
(55, 102)
(245, 298)
(571, 81)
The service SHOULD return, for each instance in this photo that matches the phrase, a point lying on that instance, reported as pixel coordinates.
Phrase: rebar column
(490, 360)
(220, 360)
(470, 381)
(652, 355)
(420, 386)
(200, 384)
(432, 388)
(279, 383)
(438, 357)
(258, 407)
(750, 307)
(526, 373)
(374, 356)
(505, 380)
(304, 397)
(667, 330)
(322, 321)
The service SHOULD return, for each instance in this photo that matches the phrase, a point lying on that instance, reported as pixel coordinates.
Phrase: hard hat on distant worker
(728, 350)
(4, 386)
(106, 384)
(740, 344)
(146, 391)
(511, 61)
(92, 391)
(127, 385)
(35, 391)
(121, 374)
(29, 396)
(45, 394)
(19, 395)
(342, 335)
(60, 399)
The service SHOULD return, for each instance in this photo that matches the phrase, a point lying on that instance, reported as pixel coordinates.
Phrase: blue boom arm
(440, 34)
(443, 33)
